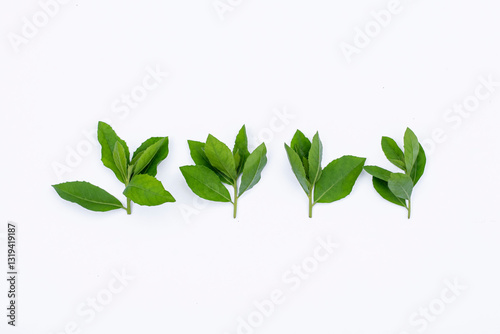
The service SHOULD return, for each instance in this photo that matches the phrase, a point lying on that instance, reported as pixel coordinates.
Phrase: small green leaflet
(107, 138)
(138, 175)
(418, 169)
(147, 156)
(380, 173)
(298, 169)
(301, 145)
(216, 163)
(240, 149)
(382, 188)
(397, 188)
(144, 189)
(412, 148)
(87, 195)
(253, 168)
(393, 153)
(161, 154)
(314, 159)
(327, 185)
(338, 179)
(401, 185)
(220, 157)
(197, 151)
(205, 183)
(120, 159)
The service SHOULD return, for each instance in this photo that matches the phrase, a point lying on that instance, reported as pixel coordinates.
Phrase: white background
(195, 268)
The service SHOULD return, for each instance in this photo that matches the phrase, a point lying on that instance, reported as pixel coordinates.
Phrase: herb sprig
(326, 185)
(398, 187)
(137, 174)
(216, 164)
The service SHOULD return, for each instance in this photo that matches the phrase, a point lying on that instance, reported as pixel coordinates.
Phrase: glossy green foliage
(398, 187)
(138, 174)
(216, 164)
(327, 185)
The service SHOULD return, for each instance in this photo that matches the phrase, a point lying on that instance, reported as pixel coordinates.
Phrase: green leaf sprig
(138, 174)
(398, 187)
(326, 185)
(216, 164)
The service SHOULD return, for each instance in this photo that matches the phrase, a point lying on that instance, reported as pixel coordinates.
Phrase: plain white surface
(199, 274)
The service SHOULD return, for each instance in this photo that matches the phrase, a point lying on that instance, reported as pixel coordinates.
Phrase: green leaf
(237, 161)
(301, 145)
(337, 179)
(145, 157)
(378, 172)
(418, 168)
(205, 183)
(253, 168)
(144, 189)
(314, 159)
(87, 195)
(220, 157)
(401, 185)
(107, 138)
(305, 165)
(161, 154)
(297, 168)
(412, 147)
(197, 151)
(382, 188)
(393, 152)
(120, 159)
(130, 171)
(222, 177)
(240, 150)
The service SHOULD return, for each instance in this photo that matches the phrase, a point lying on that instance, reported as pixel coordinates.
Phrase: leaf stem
(128, 208)
(129, 211)
(409, 209)
(235, 203)
(310, 204)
